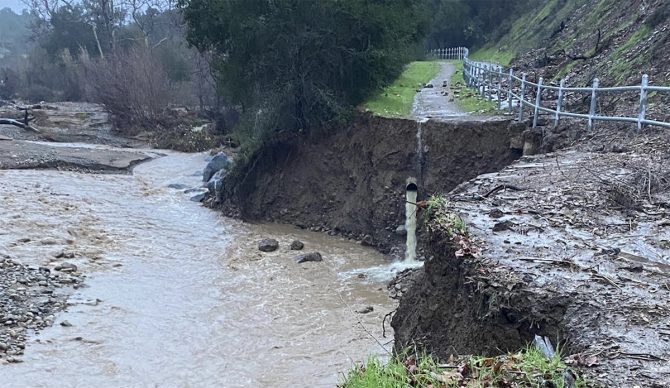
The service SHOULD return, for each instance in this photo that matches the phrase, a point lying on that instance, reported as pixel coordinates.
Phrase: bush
(659, 16)
(9, 81)
(36, 93)
(132, 85)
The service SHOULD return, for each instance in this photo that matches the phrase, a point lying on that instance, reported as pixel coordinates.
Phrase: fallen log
(17, 123)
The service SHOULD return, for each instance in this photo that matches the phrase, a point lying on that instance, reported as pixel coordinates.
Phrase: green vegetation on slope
(467, 99)
(396, 99)
(528, 368)
(499, 56)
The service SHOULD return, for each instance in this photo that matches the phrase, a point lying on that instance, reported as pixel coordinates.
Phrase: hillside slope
(615, 41)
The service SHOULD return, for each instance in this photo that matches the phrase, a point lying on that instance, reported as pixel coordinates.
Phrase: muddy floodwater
(176, 295)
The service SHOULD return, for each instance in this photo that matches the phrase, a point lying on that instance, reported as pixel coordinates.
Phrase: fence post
(498, 89)
(538, 100)
(490, 83)
(523, 95)
(482, 84)
(592, 111)
(509, 90)
(643, 101)
(487, 82)
(559, 103)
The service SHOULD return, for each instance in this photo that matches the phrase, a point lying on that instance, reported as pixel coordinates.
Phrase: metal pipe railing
(488, 79)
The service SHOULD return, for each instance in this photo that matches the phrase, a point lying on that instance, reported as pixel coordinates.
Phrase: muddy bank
(572, 245)
(17, 154)
(66, 122)
(86, 129)
(352, 181)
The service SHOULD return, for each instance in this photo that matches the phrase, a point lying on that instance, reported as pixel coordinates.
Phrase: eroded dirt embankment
(572, 245)
(352, 180)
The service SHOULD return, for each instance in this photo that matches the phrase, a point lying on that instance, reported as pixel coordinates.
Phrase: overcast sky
(15, 5)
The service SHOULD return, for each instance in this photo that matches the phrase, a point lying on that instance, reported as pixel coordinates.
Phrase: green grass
(501, 57)
(527, 368)
(467, 99)
(565, 70)
(436, 212)
(396, 99)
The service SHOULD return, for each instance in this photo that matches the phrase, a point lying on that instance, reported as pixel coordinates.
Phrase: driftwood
(17, 123)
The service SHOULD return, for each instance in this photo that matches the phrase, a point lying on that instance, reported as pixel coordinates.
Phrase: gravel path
(437, 102)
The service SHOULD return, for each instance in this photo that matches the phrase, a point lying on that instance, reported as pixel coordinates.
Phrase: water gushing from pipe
(410, 221)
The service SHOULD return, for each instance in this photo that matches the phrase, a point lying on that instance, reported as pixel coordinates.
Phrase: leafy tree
(472, 23)
(295, 64)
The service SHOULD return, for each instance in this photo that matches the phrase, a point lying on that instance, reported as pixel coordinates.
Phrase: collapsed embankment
(573, 245)
(351, 181)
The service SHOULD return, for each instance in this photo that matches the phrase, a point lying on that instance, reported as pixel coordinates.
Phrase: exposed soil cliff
(352, 181)
(572, 245)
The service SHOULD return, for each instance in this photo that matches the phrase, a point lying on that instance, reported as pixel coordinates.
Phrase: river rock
(178, 186)
(367, 241)
(198, 197)
(365, 310)
(297, 245)
(401, 231)
(218, 163)
(215, 184)
(66, 267)
(313, 256)
(268, 245)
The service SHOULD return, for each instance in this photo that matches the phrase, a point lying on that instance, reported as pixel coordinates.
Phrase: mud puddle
(177, 295)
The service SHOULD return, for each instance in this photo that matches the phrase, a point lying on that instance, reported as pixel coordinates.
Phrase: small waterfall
(419, 149)
(410, 221)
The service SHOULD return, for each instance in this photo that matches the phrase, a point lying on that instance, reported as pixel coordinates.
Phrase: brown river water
(178, 296)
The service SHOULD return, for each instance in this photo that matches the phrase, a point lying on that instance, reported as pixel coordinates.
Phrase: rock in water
(314, 256)
(215, 184)
(218, 163)
(365, 310)
(268, 245)
(198, 197)
(177, 186)
(297, 245)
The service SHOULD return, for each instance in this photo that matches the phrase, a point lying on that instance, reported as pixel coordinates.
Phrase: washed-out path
(437, 102)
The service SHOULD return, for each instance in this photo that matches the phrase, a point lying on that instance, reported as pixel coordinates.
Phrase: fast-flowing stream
(177, 296)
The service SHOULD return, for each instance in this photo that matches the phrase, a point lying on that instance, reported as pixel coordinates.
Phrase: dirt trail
(437, 102)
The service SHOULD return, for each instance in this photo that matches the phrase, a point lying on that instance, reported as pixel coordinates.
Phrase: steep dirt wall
(352, 181)
(455, 307)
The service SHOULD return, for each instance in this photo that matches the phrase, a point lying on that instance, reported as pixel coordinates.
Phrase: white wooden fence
(509, 90)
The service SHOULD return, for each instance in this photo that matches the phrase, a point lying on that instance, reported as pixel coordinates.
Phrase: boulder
(297, 245)
(268, 245)
(313, 256)
(216, 164)
(215, 184)
(198, 197)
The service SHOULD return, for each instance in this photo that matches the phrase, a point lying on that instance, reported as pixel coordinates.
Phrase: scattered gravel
(29, 299)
